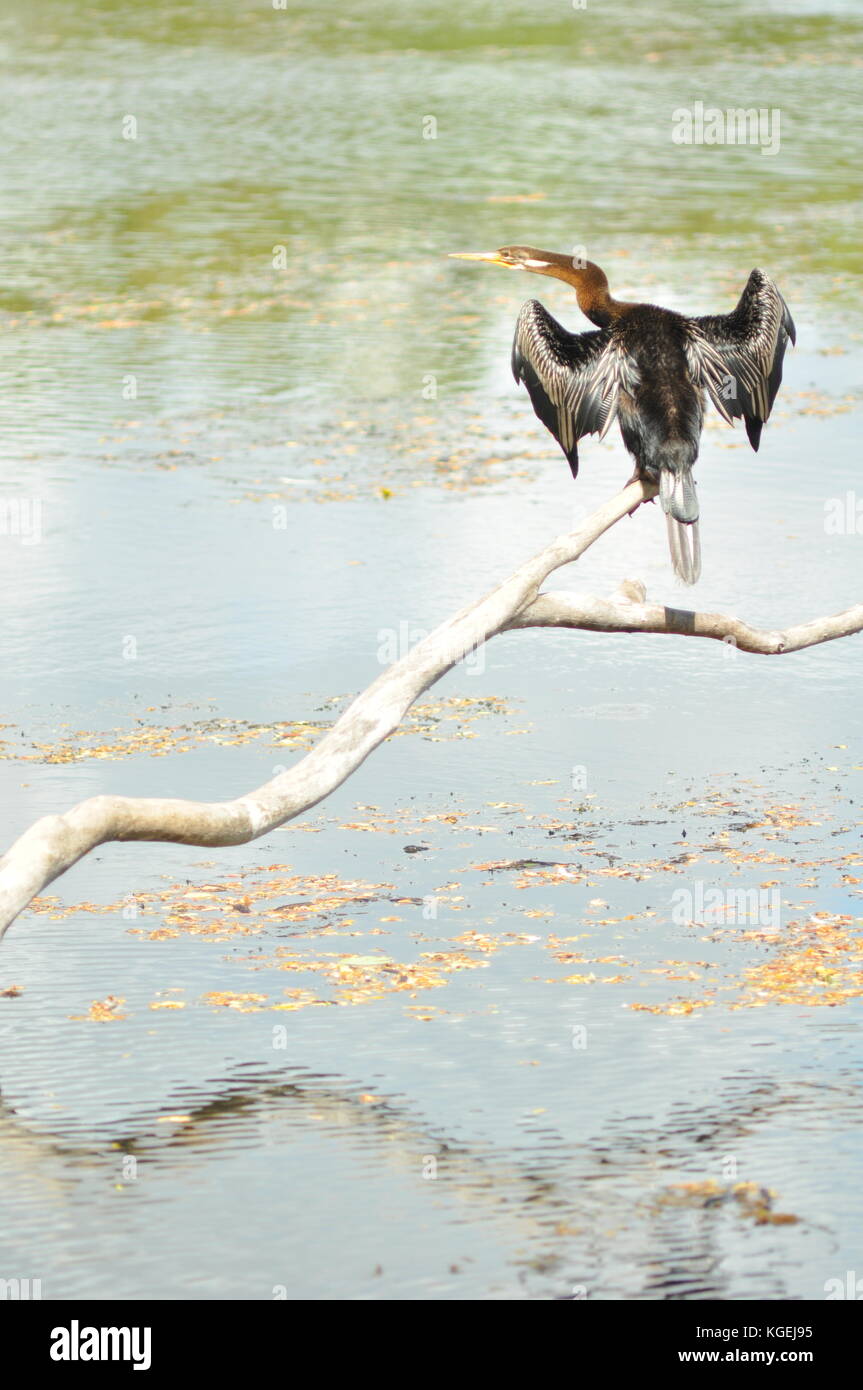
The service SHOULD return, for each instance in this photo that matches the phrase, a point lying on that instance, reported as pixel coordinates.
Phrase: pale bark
(54, 843)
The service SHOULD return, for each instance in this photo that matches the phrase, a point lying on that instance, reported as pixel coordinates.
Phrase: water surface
(268, 428)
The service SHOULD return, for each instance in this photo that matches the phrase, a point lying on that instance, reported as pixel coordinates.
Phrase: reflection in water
(587, 1217)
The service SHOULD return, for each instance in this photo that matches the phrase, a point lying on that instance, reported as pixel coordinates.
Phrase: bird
(651, 369)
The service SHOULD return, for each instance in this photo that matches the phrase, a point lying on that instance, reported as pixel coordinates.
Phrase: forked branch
(54, 843)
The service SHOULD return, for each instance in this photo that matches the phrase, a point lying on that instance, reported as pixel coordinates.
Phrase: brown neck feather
(590, 285)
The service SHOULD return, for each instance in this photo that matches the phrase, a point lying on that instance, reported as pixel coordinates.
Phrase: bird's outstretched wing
(574, 379)
(738, 356)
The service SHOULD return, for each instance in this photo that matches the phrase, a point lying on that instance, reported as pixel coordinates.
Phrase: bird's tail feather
(685, 546)
(679, 501)
(677, 494)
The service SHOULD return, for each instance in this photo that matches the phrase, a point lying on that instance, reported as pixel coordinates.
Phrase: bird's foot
(636, 478)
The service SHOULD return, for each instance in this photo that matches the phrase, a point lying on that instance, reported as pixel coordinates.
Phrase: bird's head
(524, 258)
(586, 277)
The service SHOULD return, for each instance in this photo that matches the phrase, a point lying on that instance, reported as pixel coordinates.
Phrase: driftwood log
(54, 843)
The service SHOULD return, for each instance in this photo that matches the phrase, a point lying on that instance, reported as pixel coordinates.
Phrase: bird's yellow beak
(493, 258)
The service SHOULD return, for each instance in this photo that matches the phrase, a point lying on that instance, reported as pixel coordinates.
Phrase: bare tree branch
(627, 612)
(54, 843)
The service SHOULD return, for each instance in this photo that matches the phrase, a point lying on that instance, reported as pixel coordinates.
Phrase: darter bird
(649, 368)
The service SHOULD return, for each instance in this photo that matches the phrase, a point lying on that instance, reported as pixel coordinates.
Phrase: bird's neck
(600, 308)
(591, 291)
(596, 303)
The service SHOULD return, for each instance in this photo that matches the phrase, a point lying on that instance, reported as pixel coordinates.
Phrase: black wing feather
(573, 379)
(738, 356)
